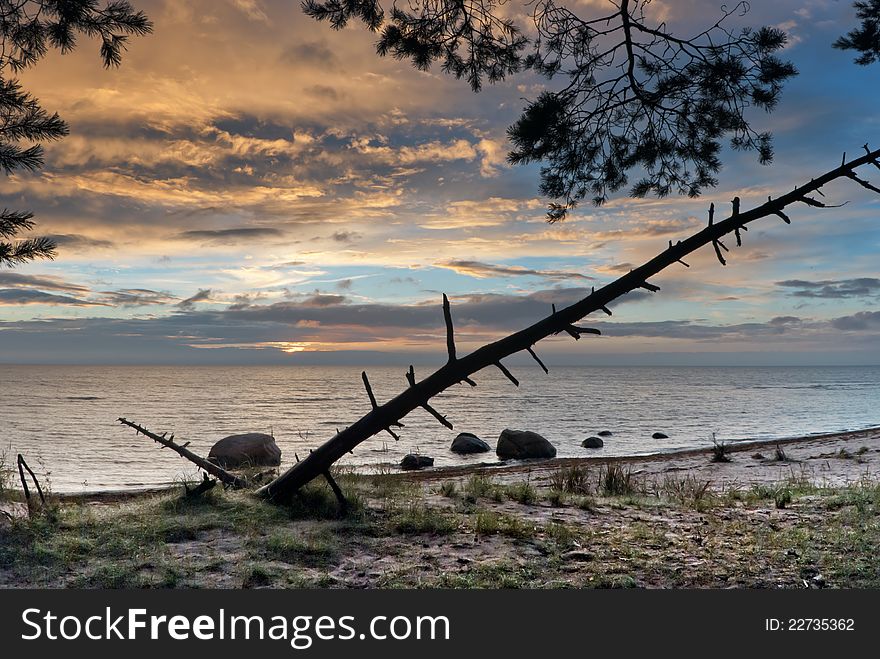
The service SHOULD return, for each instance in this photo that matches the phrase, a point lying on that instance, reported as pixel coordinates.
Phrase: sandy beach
(791, 514)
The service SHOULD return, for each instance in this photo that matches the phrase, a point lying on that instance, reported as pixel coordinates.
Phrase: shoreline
(842, 439)
(509, 468)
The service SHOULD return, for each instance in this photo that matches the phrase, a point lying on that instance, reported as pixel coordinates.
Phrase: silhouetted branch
(507, 373)
(450, 335)
(442, 419)
(228, 479)
(538, 359)
(863, 183)
(369, 389)
(343, 502)
(785, 218)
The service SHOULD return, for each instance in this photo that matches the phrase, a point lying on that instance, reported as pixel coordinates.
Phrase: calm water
(64, 416)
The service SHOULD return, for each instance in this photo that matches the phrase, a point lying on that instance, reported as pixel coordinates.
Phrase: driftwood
(230, 480)
(22, 467)
(457, 370)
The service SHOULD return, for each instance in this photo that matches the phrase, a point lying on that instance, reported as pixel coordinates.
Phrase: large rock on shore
(252, 449)
(521, 444)
(467, 443)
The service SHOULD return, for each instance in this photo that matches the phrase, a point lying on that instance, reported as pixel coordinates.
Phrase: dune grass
(607, 529)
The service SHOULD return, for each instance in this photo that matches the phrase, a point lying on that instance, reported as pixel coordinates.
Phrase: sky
(253, 187)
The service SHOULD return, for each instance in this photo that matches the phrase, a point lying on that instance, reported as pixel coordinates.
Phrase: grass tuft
(719, 451)
(522, 493)
(449, 489)
(418, 518)
(574, 480)
(615, 481)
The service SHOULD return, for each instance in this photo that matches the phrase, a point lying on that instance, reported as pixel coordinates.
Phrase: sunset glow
(253, 182)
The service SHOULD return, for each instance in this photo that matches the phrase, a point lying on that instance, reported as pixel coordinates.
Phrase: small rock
(467, 443)
(415, 461)
(522, 444)
(579, 555)
(659, 435)
(759, 456)
(593, 442)
(605, 433)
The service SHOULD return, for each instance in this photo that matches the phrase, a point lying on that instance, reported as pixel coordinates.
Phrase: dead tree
(459, 370)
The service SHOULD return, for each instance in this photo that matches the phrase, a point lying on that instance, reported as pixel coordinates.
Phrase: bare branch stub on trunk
(456, 370)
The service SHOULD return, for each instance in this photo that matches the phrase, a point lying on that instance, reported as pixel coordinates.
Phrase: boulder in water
(413, 461)
(659, 435)
(593, 442)
(604, 433)
(521, 444)
(467, 443)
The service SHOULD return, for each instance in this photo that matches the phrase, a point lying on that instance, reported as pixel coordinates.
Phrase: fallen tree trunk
(228, 479)
(458, 370)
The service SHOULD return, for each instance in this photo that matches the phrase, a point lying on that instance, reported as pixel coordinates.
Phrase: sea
(63, 419)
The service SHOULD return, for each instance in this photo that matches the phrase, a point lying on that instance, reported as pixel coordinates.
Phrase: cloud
(324, 322)
(314, 53)
(17, 296)
(324, 300)
(229, 236)
(486, 270)
(204, 295)
(44, 282)
(136, 297)
(785, 320)
(251, 9)
(616, 268)
(861, 321)
(345, 236)
(833, 289)
(76, 241)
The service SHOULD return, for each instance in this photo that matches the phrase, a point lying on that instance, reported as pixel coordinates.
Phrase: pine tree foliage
(29, 29)
(635, 98)
(866, 38)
